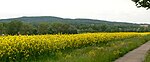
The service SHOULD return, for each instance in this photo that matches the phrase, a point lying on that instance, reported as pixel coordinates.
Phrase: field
(87, 47)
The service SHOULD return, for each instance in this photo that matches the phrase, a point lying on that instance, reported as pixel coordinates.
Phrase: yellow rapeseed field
(15, 47)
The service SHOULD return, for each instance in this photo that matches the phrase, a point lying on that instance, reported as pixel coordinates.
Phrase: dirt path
(137, 55)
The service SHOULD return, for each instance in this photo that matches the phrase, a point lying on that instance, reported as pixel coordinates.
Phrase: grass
(147, 58)
(96, 53)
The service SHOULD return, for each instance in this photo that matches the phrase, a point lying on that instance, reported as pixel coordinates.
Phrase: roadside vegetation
(147, 58)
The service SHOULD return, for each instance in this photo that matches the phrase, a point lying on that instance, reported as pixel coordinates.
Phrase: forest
(55, 25)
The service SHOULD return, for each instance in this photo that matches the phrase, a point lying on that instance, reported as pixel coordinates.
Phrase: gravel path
(137, 55)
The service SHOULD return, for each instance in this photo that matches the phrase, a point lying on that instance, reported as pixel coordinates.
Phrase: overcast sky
(111, 10)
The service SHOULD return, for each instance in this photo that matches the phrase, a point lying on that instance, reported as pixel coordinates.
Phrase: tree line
(24, 28)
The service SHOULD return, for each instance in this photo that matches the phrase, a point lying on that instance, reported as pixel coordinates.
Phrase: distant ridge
(51, 19)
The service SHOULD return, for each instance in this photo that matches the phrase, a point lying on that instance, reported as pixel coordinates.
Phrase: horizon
(114, 10)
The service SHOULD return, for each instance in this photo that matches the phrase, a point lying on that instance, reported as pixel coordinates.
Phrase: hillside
(52, 19)
(55, 25)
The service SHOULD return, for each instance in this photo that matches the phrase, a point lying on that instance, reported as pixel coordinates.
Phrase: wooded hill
(52, 19)
(54, 25)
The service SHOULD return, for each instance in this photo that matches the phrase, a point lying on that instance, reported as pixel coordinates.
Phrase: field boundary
(137, 55)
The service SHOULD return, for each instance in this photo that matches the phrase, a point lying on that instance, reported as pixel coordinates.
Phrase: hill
(51, 19)
(55, 25)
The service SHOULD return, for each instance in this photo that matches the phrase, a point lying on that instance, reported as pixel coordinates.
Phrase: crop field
(27, 48)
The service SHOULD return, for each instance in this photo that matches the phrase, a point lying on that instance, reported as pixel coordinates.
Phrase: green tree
(63, 28)
(103, 27)
(43, 28)
(14, 27)
(142, 3)
(1, 28)
(26, 29)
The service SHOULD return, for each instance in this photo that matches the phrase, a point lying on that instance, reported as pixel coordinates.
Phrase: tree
(142, 3)
(14, 27)
(103, 27)
(1, 28)
(63, 28)
(43, 28)
(26, 29)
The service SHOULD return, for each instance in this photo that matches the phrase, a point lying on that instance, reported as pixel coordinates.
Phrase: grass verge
(147, 58)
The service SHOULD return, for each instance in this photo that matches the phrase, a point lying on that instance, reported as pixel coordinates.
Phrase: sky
(110, 10)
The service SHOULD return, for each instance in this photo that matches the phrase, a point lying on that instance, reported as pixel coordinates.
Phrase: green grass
(96, 53)
(147, 58)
